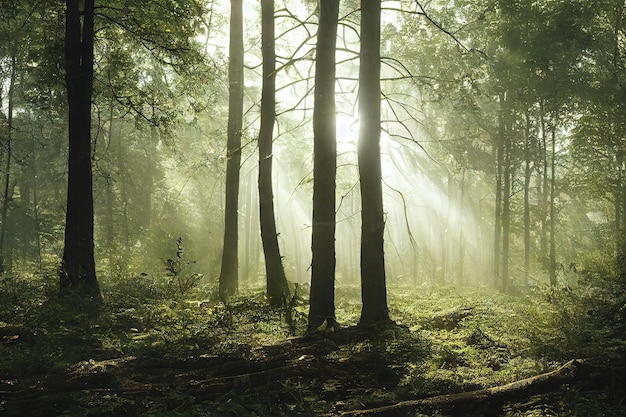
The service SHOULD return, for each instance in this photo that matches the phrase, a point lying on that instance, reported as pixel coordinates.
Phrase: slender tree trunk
(36, 203)
(122, 151)
(497, 235)
(620, 217)
(543, 242)
(110, 198)
(277, 287)
(527, 176)
(246, 274)
(552, 203)
(7, 168)
(78, 269)
(506, 194)
(229, 275)
(373, 285)
(461, 262)
(620, 195)
(322, 297)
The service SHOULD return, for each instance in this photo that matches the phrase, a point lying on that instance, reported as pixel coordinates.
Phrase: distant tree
(322, 298)
(7, 167)
(277, 286)
(229, 277)
(78, 269)
(601, 131)
(373, 285)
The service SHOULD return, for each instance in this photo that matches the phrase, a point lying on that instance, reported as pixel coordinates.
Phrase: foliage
(145, 352)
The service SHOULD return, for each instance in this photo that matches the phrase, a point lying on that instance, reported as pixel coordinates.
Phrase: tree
(322, 297)
(277, 286)
(7, 167)
(78, 269)
(601, 131)
(228, 281)
(373, 286)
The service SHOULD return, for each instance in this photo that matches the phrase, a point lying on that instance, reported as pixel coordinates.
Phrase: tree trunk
(247, 190)
(552, 203)
(543, 245)
(461, 280)
(497, 229)
(277, 287)
(78, 270)
(7, 168)
(373, 285)
(506, 192)
(229, 275)
(620, 217)
(475, 402)
(322, 297)
(527, 176)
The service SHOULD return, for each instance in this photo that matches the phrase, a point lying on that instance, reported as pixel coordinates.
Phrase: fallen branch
(466, 401)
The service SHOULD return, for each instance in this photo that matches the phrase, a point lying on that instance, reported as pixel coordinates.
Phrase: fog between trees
(502, 140)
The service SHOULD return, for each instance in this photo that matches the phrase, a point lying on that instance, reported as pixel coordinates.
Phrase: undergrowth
(446, 340)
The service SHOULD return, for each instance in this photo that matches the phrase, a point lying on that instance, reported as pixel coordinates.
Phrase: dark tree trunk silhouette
(229, 276)
(277, 287)
(78, 271)
(7, 170)
(373, 285)
(322, 298)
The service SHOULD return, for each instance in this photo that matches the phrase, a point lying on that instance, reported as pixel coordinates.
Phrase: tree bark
(277, 287)
(373, 285)
(322, 296)
(78, 271)
(7, 168)
(229, 275)
(466, 402)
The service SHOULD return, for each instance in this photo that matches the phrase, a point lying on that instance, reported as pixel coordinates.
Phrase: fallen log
(464, 402)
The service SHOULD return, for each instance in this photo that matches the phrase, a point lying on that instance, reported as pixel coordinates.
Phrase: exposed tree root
(465, 402)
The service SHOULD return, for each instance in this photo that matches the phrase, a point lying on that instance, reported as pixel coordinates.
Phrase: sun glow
(347, 133)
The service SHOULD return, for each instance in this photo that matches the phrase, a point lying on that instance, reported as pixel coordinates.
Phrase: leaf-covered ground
(150, 352)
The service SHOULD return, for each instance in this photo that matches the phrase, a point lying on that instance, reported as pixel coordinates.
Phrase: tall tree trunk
(373, 285)
(553, 201)
(78, 269)
(277, 287)
(110, 198)
(36, 202)
(461, 262)
(498, 150)
(229, 275)
(322, 297)
(246, 273)
(506, 192)
(620, 217)
(543, 242)
(7, 167)
(617, 131)
(527, 176)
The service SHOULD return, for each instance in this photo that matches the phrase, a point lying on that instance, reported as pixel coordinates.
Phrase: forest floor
(150, 352)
